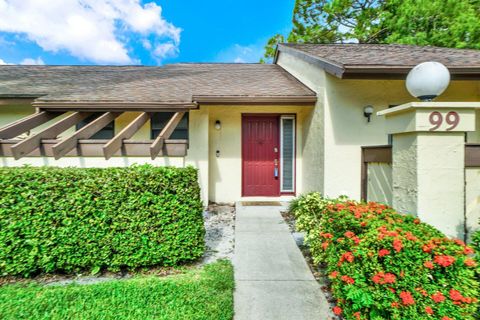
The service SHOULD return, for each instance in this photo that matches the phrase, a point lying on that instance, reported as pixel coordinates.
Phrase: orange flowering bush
(472, 262)
(385, 265)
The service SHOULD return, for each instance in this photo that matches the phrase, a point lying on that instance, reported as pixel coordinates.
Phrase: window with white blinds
(287, 153)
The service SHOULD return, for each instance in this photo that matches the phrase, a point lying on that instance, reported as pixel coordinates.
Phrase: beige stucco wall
(332, 152)
(474, 137)
(379, 184)
(10, 113)
(125, 118)
(313, 131)
(405, 186)
(428, 179)
(226, 170)
(198, 149)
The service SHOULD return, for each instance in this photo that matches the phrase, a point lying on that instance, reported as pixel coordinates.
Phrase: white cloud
(147, 44)
(241, 54)
(30, 61)
(3, 62)
(165, 50)
(26, 61)
(93, 30)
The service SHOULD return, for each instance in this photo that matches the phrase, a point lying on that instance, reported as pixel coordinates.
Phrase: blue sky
(138, 32)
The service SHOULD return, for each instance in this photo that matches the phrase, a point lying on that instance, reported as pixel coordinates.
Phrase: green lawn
(200, 294)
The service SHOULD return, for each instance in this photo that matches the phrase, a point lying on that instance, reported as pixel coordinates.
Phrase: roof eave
(400, 72)
(273, 100)
(65, 105)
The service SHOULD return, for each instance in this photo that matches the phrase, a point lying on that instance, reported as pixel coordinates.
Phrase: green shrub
(476, 246)
(384, 265)
(72, 219)
(476, 243)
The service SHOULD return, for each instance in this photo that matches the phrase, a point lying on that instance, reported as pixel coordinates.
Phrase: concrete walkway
(272, 279)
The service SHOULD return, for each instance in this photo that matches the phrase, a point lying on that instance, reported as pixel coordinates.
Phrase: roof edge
(20, 96)
(65, 105)
(373, 72)
(327, 65)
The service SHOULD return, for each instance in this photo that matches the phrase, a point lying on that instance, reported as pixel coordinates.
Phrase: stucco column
(428, 154)
(197, 155)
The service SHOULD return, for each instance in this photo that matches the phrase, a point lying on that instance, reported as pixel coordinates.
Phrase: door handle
(275, 170)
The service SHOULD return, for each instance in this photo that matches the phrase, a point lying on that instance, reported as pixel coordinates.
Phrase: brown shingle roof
(382, 60)
(171, 84)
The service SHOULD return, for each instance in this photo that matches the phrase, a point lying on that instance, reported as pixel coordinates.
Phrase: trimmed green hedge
(74, 219)
(385, 265)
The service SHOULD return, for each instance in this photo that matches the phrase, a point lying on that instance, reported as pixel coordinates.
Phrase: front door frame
(279, 116)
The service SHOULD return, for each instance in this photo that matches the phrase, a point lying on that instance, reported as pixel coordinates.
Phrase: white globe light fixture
(428, 80)
(367, 112)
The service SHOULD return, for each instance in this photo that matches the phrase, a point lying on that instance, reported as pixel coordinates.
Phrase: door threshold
(261, 203)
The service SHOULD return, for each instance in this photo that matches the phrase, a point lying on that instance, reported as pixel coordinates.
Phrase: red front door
(260, 156)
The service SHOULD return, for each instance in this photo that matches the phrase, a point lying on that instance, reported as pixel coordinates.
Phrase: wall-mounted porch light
(367, 112)
(218, 125)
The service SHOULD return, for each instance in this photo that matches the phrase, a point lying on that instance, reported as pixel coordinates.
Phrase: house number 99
(436, 119)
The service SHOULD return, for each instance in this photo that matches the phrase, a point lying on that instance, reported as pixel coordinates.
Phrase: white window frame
(293, 150)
